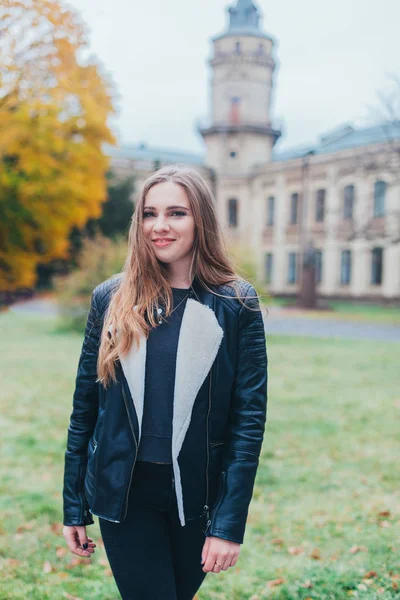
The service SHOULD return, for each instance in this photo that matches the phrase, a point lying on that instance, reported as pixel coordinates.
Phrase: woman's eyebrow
(168, 207)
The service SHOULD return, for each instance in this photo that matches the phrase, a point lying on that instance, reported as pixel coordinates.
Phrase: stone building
(340, 197)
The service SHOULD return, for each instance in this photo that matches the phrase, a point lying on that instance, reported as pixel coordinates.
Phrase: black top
(162, 344)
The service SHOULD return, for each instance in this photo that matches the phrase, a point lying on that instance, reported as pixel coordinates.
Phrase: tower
(240, 134)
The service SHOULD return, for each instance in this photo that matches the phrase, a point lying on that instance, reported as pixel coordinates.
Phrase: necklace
(160, 310)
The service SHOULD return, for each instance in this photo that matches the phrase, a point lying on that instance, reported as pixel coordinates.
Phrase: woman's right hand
(77, 540)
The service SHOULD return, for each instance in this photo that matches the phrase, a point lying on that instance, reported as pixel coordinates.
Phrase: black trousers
(151, 555)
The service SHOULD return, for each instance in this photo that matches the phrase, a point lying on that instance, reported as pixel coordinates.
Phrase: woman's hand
(218, 554)
(77, 540)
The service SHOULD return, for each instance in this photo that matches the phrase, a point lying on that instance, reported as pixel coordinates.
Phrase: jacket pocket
(90, 468)
(215, 444)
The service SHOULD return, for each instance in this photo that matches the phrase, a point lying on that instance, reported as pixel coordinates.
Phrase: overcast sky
(333, 58)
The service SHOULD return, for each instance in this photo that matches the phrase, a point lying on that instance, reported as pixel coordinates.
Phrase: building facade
(339, 198)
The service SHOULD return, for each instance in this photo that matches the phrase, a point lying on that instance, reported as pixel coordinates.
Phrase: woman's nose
(161, 224)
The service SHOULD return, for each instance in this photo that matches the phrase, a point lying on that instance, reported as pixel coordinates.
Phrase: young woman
(170, 400)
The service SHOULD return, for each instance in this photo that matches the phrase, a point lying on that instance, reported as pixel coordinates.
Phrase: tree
(118, 209)
(54, 106)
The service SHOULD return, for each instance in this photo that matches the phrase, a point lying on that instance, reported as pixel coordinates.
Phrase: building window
(318, 266)
(348, 202)
(234, 111)
(233, 154)
(294, 208)
(320, 206)
(345, 267)
(238, 47)
(270, 211)
(269, 264)
(292, 267)
(233, 212)
(379, 198)
(377, 266)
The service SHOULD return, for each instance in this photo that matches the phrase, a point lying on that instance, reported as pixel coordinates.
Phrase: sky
(334, 58)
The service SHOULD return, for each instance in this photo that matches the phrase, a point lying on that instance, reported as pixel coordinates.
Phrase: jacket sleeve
(82, 423)
(247, 417)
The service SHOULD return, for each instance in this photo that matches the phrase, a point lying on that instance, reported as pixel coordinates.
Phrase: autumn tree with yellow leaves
(54, 108)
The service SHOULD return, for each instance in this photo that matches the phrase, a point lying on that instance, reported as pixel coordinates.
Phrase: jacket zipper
(136, 453)
(84, 510)
(223, 475)
(206, 507)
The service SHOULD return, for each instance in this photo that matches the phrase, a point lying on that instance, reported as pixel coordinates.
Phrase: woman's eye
(147, 214)
(179, 213)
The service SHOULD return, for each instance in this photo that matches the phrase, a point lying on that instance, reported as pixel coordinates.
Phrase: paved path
(38, 306)
(279, 321)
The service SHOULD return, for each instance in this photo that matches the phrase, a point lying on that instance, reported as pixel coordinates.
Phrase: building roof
(344, 137)
(245, 15)
(244, 19)
(146, 153)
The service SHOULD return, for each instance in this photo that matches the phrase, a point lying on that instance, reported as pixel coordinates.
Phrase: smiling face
(169, 225)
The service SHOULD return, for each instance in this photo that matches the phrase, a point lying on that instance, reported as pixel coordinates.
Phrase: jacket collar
(200, 337)
(199, 340)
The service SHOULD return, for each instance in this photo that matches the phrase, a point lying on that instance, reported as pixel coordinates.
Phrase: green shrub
(100, 259)
(245, 263)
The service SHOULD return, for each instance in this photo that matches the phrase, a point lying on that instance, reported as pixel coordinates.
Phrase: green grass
(327, 485)
(349, 311)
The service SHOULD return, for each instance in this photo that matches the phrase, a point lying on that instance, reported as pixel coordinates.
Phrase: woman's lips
(162, 243)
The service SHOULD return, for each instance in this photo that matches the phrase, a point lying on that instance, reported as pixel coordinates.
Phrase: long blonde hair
(145, 281)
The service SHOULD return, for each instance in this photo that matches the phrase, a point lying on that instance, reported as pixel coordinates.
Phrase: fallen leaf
(56, 527)
(315, 554)
(70, 596)
(61, 551)
(384, 513)
(354, 549)
(78, 561)
(362, 586)
(306, 584)
(370, 574)
(47, 567)
(277, 541)
(384, 523)
(108, 572)
(295, 550)
(104, 562)
(26, 526)
(275, 582)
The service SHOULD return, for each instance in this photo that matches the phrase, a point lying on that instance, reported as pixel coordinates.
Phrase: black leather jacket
(220, 400)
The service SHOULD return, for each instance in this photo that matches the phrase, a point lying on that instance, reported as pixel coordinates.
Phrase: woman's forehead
(165, 195)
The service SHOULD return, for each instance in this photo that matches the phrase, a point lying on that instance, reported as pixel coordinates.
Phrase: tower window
(345, 267)
(233, 154)
(294, 208)
(292, 267)
(270, 211)
(320, 206)
(318, 266)
(269, 265)
(379, 198)
(377, 266)
(348, 202)
(233, 212)
(234, 114)
(238, 47)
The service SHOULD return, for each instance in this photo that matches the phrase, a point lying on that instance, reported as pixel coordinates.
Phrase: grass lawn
(348, 311)
(325, 518)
